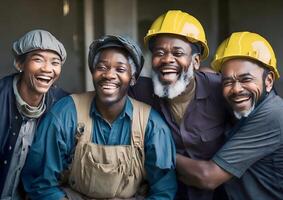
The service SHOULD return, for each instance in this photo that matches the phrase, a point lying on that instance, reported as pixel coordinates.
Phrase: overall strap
(83, 104)
(140, 118)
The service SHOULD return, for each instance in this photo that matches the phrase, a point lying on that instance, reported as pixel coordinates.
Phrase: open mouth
(169, 74)
(108, 88)
(45, 80)
(166, 71)
(242, 102)
(241, 99)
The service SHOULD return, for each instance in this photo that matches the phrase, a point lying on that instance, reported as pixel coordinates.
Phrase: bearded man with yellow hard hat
(250, 161)
(189, 99)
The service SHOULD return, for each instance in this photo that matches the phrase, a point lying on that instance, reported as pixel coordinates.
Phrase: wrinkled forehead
(45, 53)
(170, 41)
(238, 67)
(113, 55)
(113, 51)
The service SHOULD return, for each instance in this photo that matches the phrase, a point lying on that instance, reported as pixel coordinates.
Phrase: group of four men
(202, 129)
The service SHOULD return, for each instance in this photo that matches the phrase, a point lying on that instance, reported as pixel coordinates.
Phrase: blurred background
(76, 23)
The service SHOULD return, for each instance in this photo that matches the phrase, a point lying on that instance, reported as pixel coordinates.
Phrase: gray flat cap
(38, 40)
(123, 42)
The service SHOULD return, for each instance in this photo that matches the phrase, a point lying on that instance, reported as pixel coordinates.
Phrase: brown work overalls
(108, 171)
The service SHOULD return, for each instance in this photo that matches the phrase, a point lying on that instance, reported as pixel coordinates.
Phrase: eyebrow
(119, 62)
(178, 48)
(40, 55)
(36, 54)
(240, 76)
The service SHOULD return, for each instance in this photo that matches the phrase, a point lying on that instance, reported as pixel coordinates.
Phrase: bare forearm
(199, 173)
(190, 172)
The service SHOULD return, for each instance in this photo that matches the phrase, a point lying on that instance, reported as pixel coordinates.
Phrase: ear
(269, 81)
(18, 65)
(133, 80)
(196, 61)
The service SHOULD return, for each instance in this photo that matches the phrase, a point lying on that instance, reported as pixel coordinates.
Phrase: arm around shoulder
(199, 173)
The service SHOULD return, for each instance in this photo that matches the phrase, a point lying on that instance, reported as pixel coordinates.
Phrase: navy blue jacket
(11, 121)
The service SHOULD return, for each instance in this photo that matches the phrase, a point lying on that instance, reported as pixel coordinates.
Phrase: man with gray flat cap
(103, 144)
(25, 96)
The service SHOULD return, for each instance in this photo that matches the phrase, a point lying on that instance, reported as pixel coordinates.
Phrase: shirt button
(14, 133)
(16, 117)
(5, 162)
(24, 149)
(10, 148)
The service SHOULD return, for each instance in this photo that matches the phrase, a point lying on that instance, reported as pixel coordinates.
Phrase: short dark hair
(196, 48)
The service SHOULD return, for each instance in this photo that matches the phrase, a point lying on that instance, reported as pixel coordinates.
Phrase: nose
(237, 87)
(47, 67)
(168, 58)
(109, 74)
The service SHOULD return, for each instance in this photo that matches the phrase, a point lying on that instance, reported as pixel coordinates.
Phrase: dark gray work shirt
(253, 154)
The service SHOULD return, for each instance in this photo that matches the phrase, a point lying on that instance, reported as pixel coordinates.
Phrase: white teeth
(169, 71)
(238, 100)
(109, 86)
(47, 78)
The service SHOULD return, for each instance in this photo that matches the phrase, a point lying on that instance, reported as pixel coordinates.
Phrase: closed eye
(245, 79)
(178, 54)
(158, 53)
(121, 69)
(56, 63)
(227, 82)
(37, 60)
(100, 67)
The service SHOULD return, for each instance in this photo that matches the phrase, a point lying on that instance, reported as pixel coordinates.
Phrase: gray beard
(244, 113)
(173, 90)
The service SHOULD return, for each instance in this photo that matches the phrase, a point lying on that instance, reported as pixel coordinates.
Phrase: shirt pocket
(203, 144)
(105, 178)
(211, 134)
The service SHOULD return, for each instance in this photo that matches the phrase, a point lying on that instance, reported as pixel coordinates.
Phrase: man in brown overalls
(122, 145)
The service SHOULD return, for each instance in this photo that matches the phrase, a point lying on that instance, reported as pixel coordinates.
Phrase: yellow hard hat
(179, 23)
(245, 45)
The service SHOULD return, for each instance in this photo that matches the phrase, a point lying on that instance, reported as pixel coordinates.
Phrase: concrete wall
(18, 17)
(218, 17)
(120, 17)
(263, 17)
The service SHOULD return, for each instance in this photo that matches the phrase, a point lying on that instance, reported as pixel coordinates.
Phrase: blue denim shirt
(54, 145)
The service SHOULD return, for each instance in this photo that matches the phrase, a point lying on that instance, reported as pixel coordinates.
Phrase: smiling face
(40, 69)
(244, 84)
(172, 64)
(111, 76)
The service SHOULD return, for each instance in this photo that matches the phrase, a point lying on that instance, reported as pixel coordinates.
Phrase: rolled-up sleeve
(160, 156)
